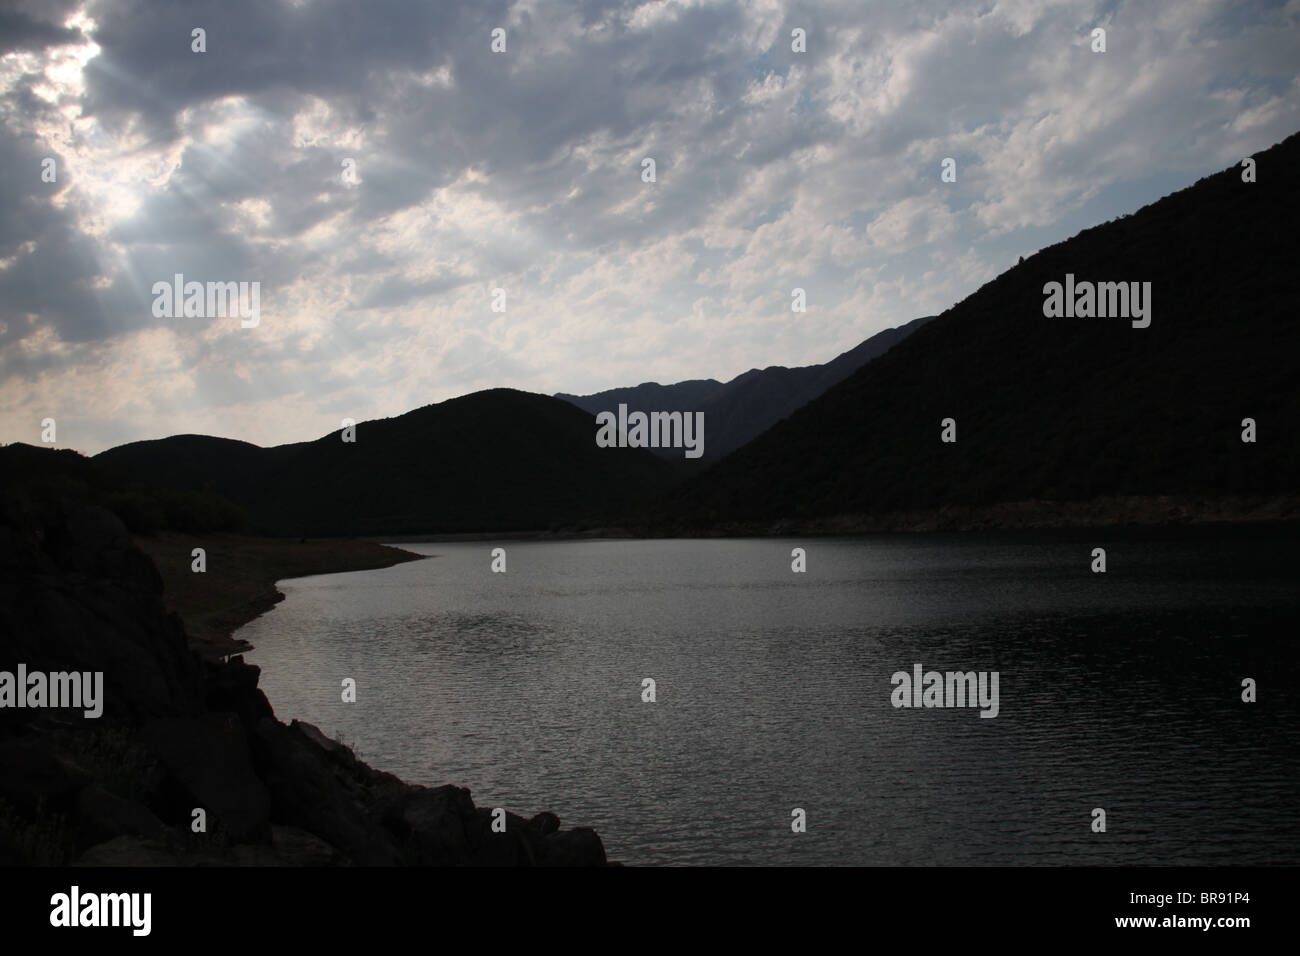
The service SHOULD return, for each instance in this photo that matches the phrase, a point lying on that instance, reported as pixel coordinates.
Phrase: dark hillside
(1063, 408)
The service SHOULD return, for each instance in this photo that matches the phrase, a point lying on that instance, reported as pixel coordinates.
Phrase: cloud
(379, 170)
(37, 24)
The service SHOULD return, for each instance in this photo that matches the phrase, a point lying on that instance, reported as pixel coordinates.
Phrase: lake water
(1119, 690)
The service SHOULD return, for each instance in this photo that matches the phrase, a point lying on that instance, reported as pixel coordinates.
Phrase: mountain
(685, 396)
(741, 409)
(1066, 409)
(496, 460)
(48, 476)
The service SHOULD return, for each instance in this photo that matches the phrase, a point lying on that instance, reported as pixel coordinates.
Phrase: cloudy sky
(523, 170)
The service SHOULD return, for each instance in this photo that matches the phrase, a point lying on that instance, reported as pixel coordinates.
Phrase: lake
(1119, 690)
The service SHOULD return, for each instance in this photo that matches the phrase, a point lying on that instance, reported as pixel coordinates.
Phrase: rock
(510, 847)
(337, 752)
(544, 824)
(102, 816)
(316, 736)
(307, 793)
(580, 846)
(11, 853)
(247, 854)
(129, 851)
(32, 777)
(294, 847)
(208, 757)
(231, 687)
(436, 823)
(76, 594)
(94, 542)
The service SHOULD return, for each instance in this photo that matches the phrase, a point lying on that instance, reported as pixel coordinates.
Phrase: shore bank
(239, 581)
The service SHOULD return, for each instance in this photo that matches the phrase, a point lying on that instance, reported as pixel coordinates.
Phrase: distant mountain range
(738, 411)
(498, 460)
(494, 461)
(1060, 408)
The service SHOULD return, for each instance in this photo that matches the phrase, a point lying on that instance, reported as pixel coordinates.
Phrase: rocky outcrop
(76, 594)
(179, 734)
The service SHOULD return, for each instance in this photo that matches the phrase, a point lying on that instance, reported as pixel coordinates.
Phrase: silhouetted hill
(496, 460)
(739, 410)
(1062, 408)
(651, 396)
(49, 476)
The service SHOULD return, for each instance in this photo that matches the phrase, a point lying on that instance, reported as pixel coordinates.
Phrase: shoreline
(184, 762)
(1042, 514)
(242, 571)
(1109, 512)
(239, 583)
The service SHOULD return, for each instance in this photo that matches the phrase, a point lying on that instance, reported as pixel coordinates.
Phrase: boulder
(102, 816)
(208, 759)
(129, 851)
(231, 687)
(294, 847)
(512, 846)
(32, 777)
(435, 821)
(544, 824)
(580, 846)
(306, 792)
(77, 595)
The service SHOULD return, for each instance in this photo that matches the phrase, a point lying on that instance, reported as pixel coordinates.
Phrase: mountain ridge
(500, 459)
(738, 410)
(1058, 409)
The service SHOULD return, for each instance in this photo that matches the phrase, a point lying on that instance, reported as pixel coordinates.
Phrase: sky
(378, 169)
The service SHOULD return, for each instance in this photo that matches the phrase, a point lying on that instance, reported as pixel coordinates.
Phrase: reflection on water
(1119, 691)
